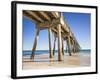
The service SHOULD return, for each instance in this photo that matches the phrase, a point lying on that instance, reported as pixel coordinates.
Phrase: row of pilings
(55, 24)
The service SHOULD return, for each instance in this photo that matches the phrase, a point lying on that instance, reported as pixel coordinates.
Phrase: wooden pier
(54, 22)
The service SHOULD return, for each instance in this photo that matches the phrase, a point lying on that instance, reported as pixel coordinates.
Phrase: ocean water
(39, 52)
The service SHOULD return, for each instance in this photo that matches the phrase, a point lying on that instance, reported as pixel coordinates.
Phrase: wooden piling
(35, 44)
(66, 47)
(74, 47)
(59, 43)
(54, 44)
(69, 45)
(50, 43)
(62, 46)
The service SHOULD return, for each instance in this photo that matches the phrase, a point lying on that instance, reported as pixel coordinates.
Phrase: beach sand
(43, 62)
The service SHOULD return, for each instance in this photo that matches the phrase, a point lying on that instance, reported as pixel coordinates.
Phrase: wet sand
(43, 62)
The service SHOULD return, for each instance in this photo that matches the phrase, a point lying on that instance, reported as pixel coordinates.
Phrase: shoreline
(42, 61)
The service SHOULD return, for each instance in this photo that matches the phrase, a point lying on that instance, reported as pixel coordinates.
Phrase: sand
(43, 61)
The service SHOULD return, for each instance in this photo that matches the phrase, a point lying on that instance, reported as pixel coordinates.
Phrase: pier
(55, 24)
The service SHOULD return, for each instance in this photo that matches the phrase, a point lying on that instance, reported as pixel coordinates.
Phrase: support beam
(55, 14)
(35, 44)
(59, 43)
(69, 45)
(27, 16)
(54, 44)
(54, 30)
(50, 46)
(34, 15)
(52, 23)
(45, 15)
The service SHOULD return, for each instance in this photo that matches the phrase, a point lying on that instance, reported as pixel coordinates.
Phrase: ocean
(39, 52)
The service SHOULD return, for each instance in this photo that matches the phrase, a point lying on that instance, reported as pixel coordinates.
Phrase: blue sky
(79, 23)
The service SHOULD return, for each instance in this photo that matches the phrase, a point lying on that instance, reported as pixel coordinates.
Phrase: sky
(79, 24)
